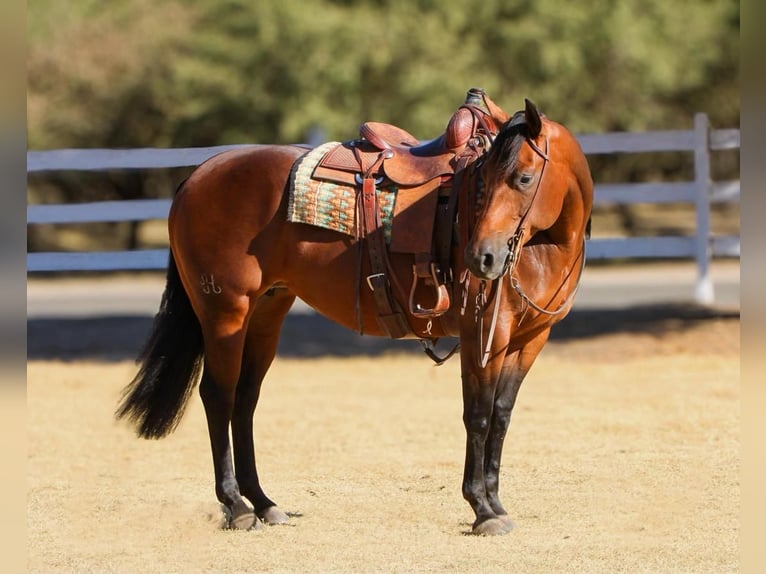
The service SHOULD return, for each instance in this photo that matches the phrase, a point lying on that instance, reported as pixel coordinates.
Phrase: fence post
(703, 290)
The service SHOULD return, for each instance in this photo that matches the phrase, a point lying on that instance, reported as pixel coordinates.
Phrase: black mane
(505, 148)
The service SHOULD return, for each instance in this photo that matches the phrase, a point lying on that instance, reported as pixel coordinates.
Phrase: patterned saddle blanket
(328, 204)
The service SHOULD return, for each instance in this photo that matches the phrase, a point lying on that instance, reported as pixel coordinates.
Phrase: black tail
(171, 362)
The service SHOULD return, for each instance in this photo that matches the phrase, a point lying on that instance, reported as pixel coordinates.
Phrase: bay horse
(237, 264)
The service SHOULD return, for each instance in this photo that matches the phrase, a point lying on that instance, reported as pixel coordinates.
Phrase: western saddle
(426, 178)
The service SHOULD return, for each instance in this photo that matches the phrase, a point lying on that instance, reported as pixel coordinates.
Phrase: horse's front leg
(479, 388)
(515, 368)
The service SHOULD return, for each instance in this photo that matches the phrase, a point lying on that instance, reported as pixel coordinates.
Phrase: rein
(481, 305)
(524, 297)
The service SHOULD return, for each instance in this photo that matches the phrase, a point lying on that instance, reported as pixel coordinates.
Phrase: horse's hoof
(492, 527)
(273, 515)
(507, 521)
(246, 521)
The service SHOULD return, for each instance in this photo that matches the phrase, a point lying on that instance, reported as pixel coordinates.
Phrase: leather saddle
(387, 156)
(387, 151)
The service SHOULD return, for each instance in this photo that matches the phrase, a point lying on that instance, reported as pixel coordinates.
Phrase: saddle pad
(327, 204)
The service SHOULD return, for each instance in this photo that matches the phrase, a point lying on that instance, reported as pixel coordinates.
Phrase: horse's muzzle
(487, 261)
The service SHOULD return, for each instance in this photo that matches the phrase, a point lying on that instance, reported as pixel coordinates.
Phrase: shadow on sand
(311, 335)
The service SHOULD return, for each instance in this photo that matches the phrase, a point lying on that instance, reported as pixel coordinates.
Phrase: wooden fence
(701, 191)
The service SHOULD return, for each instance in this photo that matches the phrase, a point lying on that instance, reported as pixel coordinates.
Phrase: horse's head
(535, 178)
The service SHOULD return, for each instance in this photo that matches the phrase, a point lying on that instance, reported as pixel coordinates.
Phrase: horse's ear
(532, 117)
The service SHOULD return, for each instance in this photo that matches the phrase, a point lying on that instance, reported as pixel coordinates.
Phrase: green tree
(223, 71)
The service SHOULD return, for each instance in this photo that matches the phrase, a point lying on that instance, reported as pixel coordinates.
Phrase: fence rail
(702, 192)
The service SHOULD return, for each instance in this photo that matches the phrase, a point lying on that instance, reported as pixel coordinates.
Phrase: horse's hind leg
(224, 341)
(260, 348)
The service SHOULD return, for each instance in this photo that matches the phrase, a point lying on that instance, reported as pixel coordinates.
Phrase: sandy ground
(623, 456)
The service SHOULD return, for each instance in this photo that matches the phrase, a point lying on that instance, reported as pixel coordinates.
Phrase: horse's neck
(551, 262)
(567, 232)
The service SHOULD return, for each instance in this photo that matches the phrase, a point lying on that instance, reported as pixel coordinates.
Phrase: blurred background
(182, 73)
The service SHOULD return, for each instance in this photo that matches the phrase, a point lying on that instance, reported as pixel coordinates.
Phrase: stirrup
(440, 291)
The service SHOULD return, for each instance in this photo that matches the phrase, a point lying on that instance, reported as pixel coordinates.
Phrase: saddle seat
(408, 161)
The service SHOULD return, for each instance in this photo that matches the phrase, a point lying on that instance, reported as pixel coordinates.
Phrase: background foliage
(136, 73)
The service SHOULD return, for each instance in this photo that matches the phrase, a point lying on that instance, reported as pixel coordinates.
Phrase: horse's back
(240, 172)
(248, 181)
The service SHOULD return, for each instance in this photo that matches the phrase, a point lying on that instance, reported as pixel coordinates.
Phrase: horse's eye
(526, 178)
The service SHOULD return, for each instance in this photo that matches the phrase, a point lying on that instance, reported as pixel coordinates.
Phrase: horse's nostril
(487, 260)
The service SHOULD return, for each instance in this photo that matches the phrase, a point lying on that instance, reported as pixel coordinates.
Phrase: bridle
(515, 244)
(516, 241)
